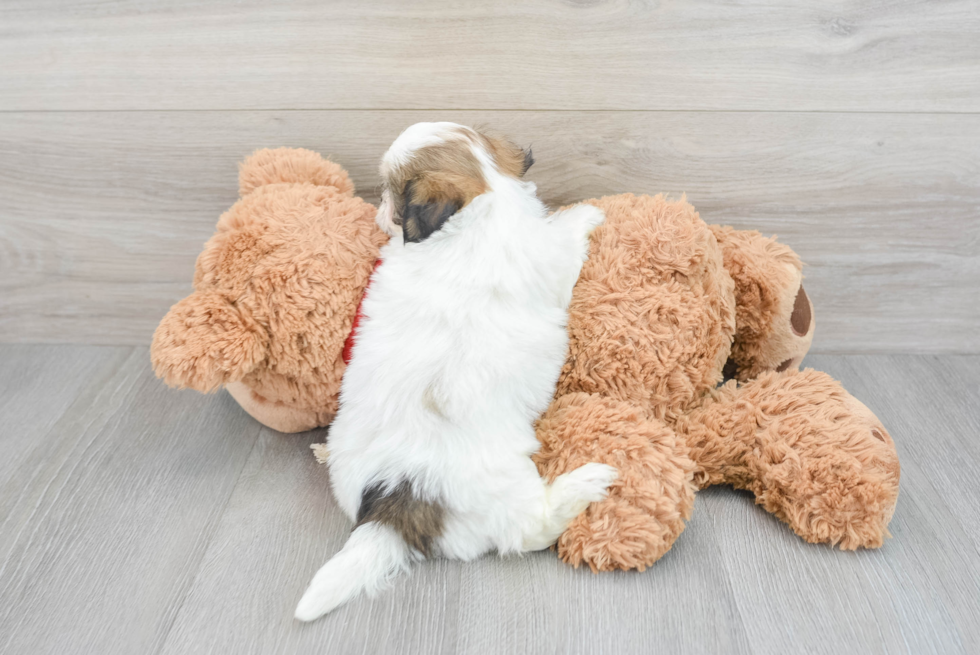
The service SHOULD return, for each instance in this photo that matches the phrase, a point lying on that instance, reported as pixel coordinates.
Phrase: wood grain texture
(38, 384)
(105, 213)
(515, 54)
(105, 519)
(144, 520)
(282, 525)
(917, 594)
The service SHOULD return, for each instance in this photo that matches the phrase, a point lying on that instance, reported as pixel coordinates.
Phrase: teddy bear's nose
(800, 318)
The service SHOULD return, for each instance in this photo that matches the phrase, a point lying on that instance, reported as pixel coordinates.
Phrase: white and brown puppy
(461, 343)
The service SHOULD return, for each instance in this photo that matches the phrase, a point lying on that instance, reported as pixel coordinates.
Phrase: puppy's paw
(592, 216)
(593, 479)
(572, 492)
(584, 219)
(320, 452)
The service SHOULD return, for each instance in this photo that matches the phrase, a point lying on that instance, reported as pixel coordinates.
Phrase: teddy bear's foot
(649, 501)
(812, 454)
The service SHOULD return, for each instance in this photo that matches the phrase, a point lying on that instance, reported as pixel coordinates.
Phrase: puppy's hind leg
(566, 498)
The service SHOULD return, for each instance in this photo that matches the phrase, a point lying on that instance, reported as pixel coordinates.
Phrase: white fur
(458, 353)
(415, 137)
(374, 551)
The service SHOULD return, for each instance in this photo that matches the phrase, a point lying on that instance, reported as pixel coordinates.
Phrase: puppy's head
(433, 170)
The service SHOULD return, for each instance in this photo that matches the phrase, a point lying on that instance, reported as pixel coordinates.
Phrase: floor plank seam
(75, 463)
(714, 539)
(34, 525)
(192, 580)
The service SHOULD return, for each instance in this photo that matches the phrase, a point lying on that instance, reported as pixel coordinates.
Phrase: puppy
(458, 352)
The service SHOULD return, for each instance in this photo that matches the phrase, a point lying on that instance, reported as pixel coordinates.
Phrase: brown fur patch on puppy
(510, 158)
(418, 522)
(437, 182)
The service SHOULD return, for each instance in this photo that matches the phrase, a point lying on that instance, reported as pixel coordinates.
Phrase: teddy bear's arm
(812, 454)
(647, 504)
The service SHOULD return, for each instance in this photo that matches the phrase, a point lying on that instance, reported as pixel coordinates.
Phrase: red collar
(349, 343)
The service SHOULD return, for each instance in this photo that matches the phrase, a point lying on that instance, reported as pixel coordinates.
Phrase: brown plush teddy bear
(665, 308)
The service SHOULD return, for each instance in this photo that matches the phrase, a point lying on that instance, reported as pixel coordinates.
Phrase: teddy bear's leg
(773, 316)
(649, 501)
(291, 165)
(811, 453)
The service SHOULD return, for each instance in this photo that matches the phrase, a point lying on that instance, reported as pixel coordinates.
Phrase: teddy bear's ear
(291, 165)
(204, 341)
(774, 321)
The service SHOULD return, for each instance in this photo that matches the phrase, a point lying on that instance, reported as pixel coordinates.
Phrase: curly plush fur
(665, 307)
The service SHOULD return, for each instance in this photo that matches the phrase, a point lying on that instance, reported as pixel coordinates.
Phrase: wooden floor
(137, 519)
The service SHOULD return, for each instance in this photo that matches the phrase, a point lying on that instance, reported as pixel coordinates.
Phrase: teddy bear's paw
(653, 493)
(812, 454)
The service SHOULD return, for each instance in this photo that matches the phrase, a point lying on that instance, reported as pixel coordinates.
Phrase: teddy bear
(685, 342)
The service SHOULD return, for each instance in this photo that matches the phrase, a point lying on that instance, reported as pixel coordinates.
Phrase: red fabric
(349, 344)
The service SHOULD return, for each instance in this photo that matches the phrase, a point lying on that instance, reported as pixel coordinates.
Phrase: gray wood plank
(281, 525)
(736, 581)
(536, 604)
(932, 405)
(104, 213)
(37, 385)
(516, 54)
(917, 594)
(105, 521)
(146, 520)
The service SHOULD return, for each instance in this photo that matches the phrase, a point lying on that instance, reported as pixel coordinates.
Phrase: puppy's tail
(373, 555)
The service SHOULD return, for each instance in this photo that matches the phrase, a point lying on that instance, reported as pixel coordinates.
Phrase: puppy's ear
(528, 161)
(422, 216)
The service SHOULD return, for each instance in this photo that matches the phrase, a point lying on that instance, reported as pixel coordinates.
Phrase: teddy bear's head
(276, 287)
